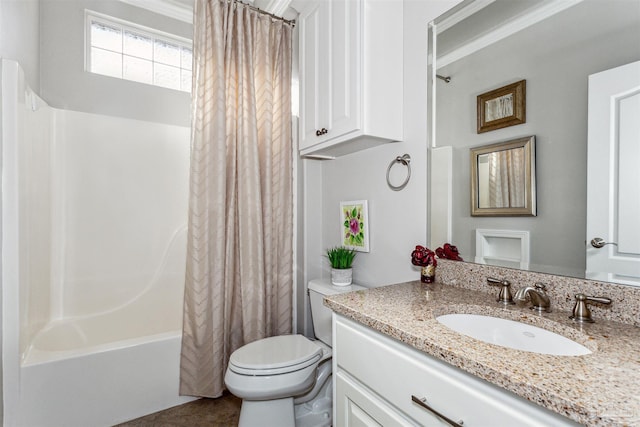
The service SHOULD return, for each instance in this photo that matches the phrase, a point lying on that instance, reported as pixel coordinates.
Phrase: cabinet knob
(321, 132)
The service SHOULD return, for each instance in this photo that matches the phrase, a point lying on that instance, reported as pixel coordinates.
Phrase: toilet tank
(320, 314)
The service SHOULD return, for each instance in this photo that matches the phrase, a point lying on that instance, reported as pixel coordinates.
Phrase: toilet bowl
(285, 381)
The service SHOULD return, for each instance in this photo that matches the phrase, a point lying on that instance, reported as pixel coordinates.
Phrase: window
(128, 51)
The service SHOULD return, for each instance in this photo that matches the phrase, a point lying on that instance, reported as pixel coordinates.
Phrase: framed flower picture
(354, 225)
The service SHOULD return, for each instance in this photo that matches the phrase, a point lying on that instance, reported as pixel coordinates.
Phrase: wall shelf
(504, 248)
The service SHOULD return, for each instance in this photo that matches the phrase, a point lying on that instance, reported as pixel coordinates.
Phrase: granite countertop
(599, 389)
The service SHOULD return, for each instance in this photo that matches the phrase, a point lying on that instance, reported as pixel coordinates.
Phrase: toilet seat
(275, 355)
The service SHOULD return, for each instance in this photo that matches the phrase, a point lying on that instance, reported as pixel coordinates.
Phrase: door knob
(598, 242)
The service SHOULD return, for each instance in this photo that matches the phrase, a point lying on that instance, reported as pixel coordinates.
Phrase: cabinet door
(345, 75)
(357, 407)
(314, 69)
(330, 70)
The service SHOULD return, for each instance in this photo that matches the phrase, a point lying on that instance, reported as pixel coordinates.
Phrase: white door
(613, 176)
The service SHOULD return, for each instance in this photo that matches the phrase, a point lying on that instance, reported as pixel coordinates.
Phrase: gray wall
(555, 57)
(19, 36)
(65, 84)
(19, 41)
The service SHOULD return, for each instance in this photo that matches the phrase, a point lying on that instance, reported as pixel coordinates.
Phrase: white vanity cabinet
(351, 76)
(375, 378)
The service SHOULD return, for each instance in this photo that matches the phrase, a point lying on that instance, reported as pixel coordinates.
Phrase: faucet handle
(601, 300)
(541, 286)
(494, 281)
(581, 312)
(504, 296)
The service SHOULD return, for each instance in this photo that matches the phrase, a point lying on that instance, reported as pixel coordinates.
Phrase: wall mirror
(503, 178)
(555, 46)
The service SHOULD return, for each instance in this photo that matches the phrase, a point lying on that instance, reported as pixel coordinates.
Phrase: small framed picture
(354, 225)
(502, 107)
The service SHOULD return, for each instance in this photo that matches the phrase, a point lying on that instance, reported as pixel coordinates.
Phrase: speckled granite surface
(599, 389)
(625, 306)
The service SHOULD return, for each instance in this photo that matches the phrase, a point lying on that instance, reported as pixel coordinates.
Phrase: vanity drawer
(396, 372)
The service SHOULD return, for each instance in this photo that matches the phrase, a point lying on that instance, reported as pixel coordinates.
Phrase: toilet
(285, 381)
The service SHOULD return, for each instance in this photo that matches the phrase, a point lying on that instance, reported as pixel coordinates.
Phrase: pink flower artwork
(354, 225)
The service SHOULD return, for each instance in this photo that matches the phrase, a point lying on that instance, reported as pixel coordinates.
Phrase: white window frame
(92, 16)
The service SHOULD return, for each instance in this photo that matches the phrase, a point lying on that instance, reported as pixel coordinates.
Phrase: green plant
(341, 257)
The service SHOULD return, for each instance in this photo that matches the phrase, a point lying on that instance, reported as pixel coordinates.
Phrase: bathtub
(111, 366)
(103, 369)
(93, 262)
(75, 374)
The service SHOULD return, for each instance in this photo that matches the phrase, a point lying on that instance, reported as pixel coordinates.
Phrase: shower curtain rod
(252, 7)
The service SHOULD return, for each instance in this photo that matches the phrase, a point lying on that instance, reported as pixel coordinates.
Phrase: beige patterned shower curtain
(507, 179)
(239, 278)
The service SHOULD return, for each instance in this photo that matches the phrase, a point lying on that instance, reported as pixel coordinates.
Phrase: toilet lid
(275, 355)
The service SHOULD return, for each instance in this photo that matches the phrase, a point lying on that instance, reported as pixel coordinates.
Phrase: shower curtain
(239, 279)
(507, 179)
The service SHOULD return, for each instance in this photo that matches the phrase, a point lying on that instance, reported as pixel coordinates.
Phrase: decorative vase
(428, 274)
(341, 276)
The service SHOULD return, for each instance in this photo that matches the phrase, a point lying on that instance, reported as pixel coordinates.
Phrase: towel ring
(405, 159)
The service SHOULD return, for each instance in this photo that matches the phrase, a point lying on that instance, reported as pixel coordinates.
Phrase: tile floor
(221, 412)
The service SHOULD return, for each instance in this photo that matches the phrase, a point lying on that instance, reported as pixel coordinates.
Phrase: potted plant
(341, 260)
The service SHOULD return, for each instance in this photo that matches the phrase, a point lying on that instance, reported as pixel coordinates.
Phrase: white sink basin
(516, 335)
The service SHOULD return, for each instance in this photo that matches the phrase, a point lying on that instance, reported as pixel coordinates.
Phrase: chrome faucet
(536, 294)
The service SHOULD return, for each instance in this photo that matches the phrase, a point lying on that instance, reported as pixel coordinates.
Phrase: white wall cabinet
(376, 377)
(351, 58)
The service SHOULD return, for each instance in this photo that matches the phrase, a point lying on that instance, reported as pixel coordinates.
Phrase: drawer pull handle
(423, 402)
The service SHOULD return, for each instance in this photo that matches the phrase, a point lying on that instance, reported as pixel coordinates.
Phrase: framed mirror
(503, 178)
(555, 46)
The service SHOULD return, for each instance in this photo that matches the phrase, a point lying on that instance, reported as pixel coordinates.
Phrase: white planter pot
(341, 277)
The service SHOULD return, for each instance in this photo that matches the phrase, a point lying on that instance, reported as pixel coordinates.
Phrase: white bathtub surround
(120, 201)
(239, 280)
(153, 315)
(94, 243)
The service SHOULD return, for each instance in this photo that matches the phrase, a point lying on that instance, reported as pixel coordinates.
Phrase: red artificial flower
(422, 257)
(449, 252)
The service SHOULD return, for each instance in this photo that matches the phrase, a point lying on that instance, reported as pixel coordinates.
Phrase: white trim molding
(462, 14)
(544, 10)
(172, 8)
